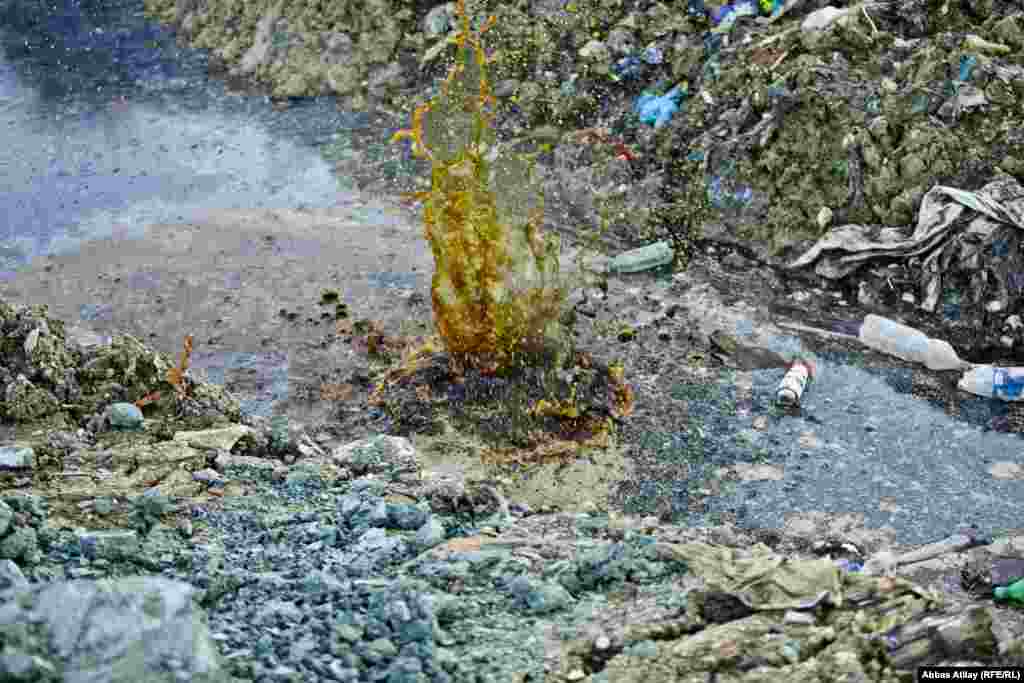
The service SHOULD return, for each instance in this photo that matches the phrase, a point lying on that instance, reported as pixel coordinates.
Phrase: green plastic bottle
(1014, 592)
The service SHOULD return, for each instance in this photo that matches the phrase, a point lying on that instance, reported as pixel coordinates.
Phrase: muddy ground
(250, 284)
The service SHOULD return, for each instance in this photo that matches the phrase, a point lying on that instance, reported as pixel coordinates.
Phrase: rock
(123, 631)
(595, 51)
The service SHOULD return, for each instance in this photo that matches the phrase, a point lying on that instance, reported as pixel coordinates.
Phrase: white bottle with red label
(791, 389)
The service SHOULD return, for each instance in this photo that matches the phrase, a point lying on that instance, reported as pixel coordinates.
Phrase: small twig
(777, 36)
(778, 61)
(817, 331)
(864, 10)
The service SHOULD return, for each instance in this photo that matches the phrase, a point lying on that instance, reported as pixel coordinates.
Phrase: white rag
(1001, 202)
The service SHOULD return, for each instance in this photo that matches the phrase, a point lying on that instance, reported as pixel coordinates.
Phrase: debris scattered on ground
(340, 563)
(319, 546)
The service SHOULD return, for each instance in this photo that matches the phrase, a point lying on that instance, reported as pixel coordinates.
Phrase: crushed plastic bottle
(1014, 592)
(1006, 384)
(643, 258)
(901, 341)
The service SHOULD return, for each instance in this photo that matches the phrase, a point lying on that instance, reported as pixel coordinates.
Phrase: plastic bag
(658, 109)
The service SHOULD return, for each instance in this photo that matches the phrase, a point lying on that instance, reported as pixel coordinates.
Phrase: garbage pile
(760, 124)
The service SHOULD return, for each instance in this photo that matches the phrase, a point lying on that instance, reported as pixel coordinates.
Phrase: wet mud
(248, 286)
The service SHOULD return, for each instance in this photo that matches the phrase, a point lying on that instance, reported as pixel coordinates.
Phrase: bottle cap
(808, 363)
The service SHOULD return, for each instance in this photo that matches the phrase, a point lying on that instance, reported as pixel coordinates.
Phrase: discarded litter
(695, 8)
(821, 19)
(632, 66)
(1006, 570)
(644, 258)
(653, 55)
(659, 109)
(795, 381)
(967, 63)
(1014, 592)
(725, 16)
(628, 67)
(722, 198)
(771, 8)
(901, 341)
(994, 382)
(884, 562)
(849, 565)
(846, 248)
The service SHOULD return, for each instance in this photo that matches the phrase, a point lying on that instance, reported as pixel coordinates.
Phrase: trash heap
(757, 124)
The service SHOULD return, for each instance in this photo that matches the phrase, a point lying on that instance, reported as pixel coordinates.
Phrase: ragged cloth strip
(947, 216)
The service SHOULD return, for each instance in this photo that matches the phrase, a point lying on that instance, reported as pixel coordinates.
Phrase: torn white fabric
(945, 213)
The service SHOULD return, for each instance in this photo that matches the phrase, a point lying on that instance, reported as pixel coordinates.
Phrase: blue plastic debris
(722, 197)
(627, 67)
(712, 46)
(849, 565)
(632, 66)
(725, 16)
(658, 109)
(967, 63)
(125, 416)
(568, 88)
(653, 55)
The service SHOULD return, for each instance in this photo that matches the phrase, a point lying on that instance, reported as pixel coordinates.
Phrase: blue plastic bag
(967, 63)
(658, 109)
(653, 55)
(722, 197)
(628, 67)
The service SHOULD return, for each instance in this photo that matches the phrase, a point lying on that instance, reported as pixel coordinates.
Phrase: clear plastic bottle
(901, 341)
(1006, 384)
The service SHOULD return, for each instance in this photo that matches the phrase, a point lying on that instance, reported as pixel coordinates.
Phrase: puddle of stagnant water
(246, 285)
(117, 147)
